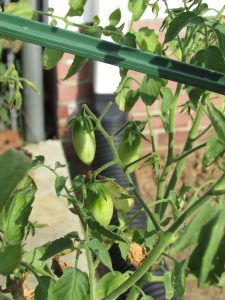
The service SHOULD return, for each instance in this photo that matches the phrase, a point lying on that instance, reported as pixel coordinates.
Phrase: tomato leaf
(211, 58)
(50, 58)
(137, 8)
(97, 246)
(179, 22)
(218, 121)
(77, 64)
(94, 225)
(60, 183)
(10, 256)
(147, 40)
(10, 161)
(208, 258)
(150, 89)
(76, 7)
(214, 149)
(22, 8)
(108, 283)
(18, 212)
(115, 17)
(73, 284)
(44, 289)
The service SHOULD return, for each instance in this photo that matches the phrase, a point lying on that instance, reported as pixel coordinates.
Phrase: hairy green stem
(109, 139)
(185, 154)
(90, 265)
(180, 164)
(162, 179)
(164, 240)
(152, 138)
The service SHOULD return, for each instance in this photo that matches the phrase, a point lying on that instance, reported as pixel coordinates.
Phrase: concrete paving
(48, 208)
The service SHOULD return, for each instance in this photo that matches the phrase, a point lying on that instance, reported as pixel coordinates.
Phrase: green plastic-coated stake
(111, 53)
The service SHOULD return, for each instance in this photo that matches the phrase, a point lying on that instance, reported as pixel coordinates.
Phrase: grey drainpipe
(33, 103)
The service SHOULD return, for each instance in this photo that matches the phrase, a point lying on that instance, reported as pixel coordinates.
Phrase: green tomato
(99, 203)
(83, 137)
(129, 149)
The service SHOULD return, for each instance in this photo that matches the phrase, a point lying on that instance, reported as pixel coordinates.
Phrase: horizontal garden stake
(111, 53)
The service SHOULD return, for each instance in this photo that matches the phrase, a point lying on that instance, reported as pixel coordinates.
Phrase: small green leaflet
(97, 246)
(115, 17)
(50, 58)
(76, 7)
(179, 22)
(19, 211)
(77, 65)
(73, 284)
(60, 183)
(108, 283)
(137, 8)
(10, 256)
(214, 149)
(23, 8)
(150, 89)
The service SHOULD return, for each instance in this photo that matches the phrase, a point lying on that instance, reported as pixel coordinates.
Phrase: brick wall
(72, 92)
(78, 89)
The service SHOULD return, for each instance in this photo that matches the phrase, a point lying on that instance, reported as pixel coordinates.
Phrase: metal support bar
(119, 55)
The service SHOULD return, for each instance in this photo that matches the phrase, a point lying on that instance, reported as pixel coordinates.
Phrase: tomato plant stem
(162, 178)
(90, 265)
(109, 139)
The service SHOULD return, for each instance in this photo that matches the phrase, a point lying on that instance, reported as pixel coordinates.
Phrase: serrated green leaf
(218, 121)
(147, 40)
(34, 258)
(19, 211)
(22, 8)
(211, 58)
(214, 149)
(10, 256)
(137, 8)
(77, 64)
(150, 234)
(190, 235)
(97, 246)
(104, 231)
(115, 17)
(45, 289)
(60, 183)
(10, 161)
(76, 7)
(50, 58)
(5, 296)
(208, 258)
(73, 284)
(150, 89)
(108, 283)
(125, 97)
(124, 249)
(179, 22)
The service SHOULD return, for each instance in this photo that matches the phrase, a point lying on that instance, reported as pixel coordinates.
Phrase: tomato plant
(187, 220)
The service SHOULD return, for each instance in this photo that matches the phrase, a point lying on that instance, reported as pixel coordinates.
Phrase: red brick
(182, 120)
(79, 91)
(62, 111)
(9, 139)
(62, 129)
(179, 138)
